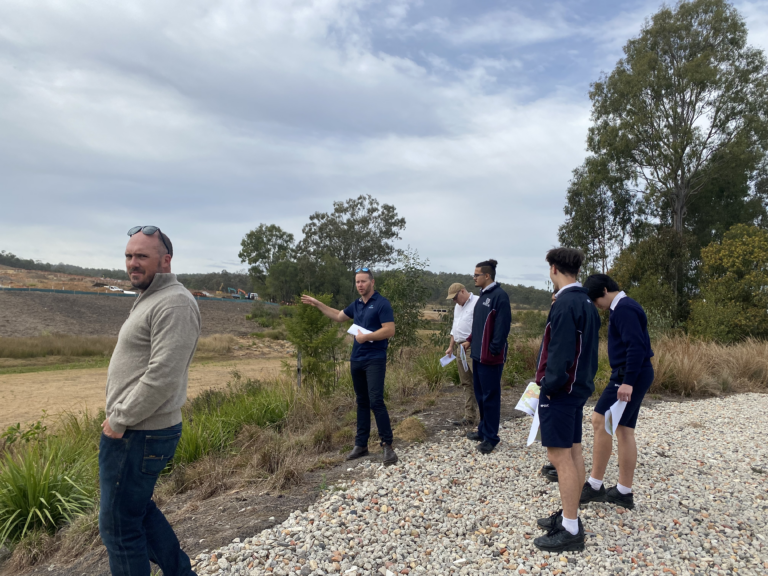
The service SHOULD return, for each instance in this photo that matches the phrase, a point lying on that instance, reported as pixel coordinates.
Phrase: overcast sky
(207, 118)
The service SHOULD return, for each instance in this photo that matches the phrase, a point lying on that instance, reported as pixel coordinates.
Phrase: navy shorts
(632, 410)
(560, 420)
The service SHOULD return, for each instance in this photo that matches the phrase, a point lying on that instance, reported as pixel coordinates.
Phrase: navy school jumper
(568, 355)
(629, 346)
(491, 321)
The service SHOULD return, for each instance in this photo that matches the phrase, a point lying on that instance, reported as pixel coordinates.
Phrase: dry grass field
(49, 386)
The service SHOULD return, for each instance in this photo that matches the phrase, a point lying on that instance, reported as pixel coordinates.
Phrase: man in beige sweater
(146, 388)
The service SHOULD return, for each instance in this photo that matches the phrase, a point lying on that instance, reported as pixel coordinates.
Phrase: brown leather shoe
(389, 455)
(357, 452)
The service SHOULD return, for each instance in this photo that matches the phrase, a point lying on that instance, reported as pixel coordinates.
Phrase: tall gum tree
(688, 89)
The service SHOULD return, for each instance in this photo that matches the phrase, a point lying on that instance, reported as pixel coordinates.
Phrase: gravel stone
(701, 507)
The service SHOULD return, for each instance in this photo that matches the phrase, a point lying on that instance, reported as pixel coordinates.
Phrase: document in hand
(534, 434)
(529, 401)
(354, 328)
(447, 359)
(613, 415)
(463, 356)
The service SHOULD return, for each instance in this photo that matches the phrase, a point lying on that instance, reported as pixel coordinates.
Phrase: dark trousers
(487, 381)
(132, 528)
(368, 381)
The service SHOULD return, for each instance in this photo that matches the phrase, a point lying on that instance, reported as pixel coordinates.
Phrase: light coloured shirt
(619, 296)
(491, 285)
(462, 319)
(564, 288)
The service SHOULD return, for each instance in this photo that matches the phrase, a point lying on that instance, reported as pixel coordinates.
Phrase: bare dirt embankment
(32, 313)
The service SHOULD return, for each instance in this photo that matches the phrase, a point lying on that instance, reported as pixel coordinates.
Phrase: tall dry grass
(56, 345)
(688, 367)
(80, 346)
(217, 344)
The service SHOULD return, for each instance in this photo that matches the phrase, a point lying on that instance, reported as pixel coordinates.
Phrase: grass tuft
(44, 485)
(411, 430)
(215, 345)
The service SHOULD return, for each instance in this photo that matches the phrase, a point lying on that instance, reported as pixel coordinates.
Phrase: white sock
(571, 525)
(595, 483)
(623, 489)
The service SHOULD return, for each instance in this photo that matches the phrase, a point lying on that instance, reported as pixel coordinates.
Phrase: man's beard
(144, 284)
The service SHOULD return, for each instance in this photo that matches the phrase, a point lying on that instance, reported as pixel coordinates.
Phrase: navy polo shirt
(370, 315)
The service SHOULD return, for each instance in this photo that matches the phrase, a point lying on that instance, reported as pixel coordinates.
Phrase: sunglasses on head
(362, 270)
(149, 230)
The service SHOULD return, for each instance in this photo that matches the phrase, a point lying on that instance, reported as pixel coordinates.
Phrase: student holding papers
(462, 328)
(566, 372)
(629, 351)
(375, 320)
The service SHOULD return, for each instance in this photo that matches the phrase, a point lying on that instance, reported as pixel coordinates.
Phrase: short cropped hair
(566, 260)
(597, 284)
(369, 272)
(168, 243)
(488, 267)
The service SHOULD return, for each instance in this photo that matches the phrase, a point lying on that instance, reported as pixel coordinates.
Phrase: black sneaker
(589, 494)
(485, 447)
(551, 521)
(549, 472)
(560, 540)
(474, 436)
(613, 496)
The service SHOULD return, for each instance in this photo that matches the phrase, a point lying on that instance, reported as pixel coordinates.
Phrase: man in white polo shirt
(462, 328)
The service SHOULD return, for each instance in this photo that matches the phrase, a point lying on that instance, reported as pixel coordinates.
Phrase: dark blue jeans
(368, 381)
(487, 381)
(131, 526)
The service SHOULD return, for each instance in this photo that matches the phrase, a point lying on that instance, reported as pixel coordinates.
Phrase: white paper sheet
(463, 356)
(529, 400)
(613, 415)
(445, 360)
(354, 328)
(534, 433)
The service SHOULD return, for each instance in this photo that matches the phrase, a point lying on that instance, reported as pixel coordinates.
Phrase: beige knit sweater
(147, 378)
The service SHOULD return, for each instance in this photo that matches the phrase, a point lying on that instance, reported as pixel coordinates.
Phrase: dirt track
(31, 313)
(23, 397)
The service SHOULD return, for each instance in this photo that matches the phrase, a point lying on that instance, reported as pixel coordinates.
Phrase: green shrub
(529, 323)
(317, 338)
(266, 315)
(428, 369)
(44, 485)
(522, 356)
(212, 420)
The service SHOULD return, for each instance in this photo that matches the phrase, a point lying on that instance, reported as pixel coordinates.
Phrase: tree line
(358, 232)
(672, 199)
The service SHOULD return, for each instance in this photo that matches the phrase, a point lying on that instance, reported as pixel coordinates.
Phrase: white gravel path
(701, 494)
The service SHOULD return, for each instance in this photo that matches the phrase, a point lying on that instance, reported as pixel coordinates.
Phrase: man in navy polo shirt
(368, 362)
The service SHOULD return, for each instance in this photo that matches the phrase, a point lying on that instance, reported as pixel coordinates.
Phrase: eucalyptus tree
(688, 91)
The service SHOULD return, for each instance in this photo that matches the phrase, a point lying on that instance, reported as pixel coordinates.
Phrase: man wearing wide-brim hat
(462, 327)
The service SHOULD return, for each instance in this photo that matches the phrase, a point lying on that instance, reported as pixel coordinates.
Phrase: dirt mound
(32, 313)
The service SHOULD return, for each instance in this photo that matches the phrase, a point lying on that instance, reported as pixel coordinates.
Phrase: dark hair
(597, 284)
(488, 267)
(168, 246)
(566, 260)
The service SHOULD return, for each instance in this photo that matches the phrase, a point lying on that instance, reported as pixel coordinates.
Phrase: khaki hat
(454, 289)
